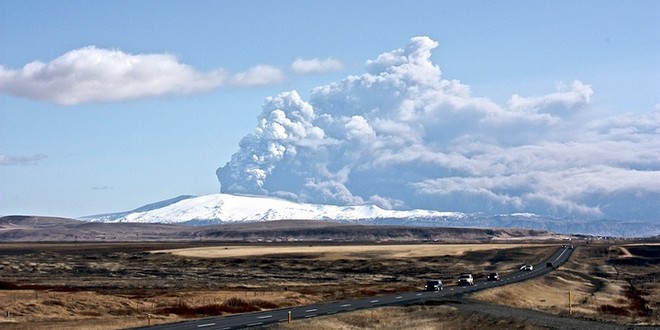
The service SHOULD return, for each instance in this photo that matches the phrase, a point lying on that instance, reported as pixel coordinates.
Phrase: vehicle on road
(527, 267)
(434, 285)
(494, 276)
(466, 279)
(549, 264)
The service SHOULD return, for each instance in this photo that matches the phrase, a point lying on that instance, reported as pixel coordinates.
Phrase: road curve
(243, 321)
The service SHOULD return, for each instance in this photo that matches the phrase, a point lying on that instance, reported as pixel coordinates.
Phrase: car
(494, 276)
(549, 264)
(527, 267)
(466, 279)
(433, 285)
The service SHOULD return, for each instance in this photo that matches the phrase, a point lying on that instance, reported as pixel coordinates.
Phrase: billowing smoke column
(400, 136)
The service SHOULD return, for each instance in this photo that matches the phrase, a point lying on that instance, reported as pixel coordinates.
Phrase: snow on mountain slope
(113, 217)
(232, 208)
(225, 208)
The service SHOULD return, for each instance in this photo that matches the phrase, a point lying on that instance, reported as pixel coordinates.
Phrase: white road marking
(374, 301)
(254, 324)
(345, 305)
(205, 325)
(265, 317)
(419, 294)
(311, 310)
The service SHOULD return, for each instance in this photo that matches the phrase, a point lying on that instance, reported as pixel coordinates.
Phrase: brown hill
(52, 229)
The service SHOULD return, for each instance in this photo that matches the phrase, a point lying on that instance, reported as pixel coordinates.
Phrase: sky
(514, 106)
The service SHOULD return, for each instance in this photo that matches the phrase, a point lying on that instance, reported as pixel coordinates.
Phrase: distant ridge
(50, 229)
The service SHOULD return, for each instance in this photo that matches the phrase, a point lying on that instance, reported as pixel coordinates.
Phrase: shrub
(232, 305)
(609, 309)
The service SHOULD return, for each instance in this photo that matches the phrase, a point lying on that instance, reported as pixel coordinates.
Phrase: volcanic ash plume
(400, 136)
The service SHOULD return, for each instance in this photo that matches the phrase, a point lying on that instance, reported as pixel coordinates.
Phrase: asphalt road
(243, 321)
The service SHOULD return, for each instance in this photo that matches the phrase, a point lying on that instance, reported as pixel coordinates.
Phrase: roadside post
(289, 318)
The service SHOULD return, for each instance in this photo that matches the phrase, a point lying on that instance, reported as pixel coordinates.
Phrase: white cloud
(104, 187)
(93, 74)
(6, 160)
(316, 65)
(401, 136)
(259, 75)
(564, 99)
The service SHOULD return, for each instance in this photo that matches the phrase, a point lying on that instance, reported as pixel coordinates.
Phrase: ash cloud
(400, 136)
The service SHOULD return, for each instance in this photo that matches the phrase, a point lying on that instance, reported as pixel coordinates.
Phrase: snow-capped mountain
(218, 208)
(227, 208)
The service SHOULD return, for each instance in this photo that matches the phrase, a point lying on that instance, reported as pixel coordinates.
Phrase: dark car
(494, 276)
(434, 285)
(549, 264)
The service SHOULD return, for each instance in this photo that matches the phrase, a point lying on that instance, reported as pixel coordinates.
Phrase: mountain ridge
(230, 208)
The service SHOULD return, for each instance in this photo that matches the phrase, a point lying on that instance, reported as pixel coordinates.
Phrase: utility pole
(570, 308)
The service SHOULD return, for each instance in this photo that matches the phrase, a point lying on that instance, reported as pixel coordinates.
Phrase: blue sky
(133, 137)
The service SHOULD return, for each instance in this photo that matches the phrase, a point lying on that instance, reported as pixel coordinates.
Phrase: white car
(527, 267)
(466, 279)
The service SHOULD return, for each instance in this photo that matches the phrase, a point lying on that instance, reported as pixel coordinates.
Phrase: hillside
(49, 229)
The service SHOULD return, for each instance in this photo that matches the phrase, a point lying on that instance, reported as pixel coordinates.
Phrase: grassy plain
(115, 286)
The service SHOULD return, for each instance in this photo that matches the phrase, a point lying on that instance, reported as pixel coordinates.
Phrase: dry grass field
(115, 286)
(618, 283)
(338, 252)
(410, 318)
